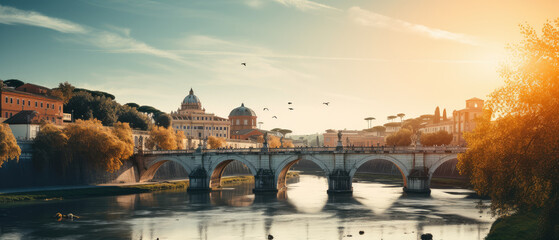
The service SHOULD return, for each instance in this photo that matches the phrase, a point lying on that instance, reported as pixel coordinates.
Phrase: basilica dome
(191, 98)
(242, 111)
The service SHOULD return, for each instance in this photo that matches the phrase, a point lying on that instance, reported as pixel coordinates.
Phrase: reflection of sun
(308, 195)
(376, 196)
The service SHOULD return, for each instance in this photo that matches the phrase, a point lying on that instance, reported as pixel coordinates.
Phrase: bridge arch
(438, 163)
(401, 166)
(156, 163)
(283, 167)
(218, 165)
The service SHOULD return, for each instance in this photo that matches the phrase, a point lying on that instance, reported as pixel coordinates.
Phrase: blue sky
(368, 58)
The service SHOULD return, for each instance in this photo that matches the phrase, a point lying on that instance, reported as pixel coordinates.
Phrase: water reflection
(303, 211)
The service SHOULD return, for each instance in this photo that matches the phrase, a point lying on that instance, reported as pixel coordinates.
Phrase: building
(193, 120)
(463, 120)
(25, 124)
(392, 127)
(433, 125)
(13, 101)
(243, 123)
(355, 138)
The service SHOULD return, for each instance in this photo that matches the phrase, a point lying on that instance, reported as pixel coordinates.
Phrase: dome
(242, 111)
(191, 98)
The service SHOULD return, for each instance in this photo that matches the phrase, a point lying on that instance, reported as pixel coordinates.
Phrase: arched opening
(380, 170)
(307, 189)
(446, 175)
(230, 168)
(307, 166)
(164, 170)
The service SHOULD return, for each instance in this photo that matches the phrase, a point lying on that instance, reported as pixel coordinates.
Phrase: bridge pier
(418, 182)
(199, 181)
(339, 182)
(264, 181)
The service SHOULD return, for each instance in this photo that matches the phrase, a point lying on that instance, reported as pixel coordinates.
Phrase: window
(11, 100)
(41, 104)
(17, 101)
(59, 108)
(35, 103)
(52, 106)
(22, 102)
(48, 105)
(6, 112)
(237, 121)
(245, 122)
(29, 103)
(6, 99)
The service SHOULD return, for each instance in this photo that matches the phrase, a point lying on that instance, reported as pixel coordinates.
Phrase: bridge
(269, 166)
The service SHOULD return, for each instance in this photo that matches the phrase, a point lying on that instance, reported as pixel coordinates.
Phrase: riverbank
(113, 190)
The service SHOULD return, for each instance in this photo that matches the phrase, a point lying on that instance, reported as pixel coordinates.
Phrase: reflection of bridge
(269, 166)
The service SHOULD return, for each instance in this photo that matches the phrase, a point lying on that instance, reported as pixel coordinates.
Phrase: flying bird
(290, 108)
(289, 102)
(275, 117)
(244, 64)
(326, 103)
(266, 109)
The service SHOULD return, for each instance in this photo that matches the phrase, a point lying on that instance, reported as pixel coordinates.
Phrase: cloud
(304, 5)
(116, 41)
(368, 18)
(11, 16)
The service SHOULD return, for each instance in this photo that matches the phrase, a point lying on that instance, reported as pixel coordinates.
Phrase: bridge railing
(377, 149)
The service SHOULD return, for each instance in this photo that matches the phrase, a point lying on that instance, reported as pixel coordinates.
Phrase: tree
(436, 139)
(132, 105)
(8, 145)
(84, 106)
(15, 83)
(150, 110)
(162, 138)
(276, 142)
(64, 92)
(437, 117)
(444, 115)
(284, 132)
(179, 139)
(99, 146)
(216, 142)
(79, 106)
(49, 148)
(163, 120)
(401, 116)
(136, 119)
(413, 124)
(95, 93)
(391, 118)
(400, 138)
(514, 159)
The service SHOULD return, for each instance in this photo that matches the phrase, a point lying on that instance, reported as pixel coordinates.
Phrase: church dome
(191, 98)
(242, 111)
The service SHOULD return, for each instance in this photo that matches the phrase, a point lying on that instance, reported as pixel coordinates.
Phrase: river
(304, 211)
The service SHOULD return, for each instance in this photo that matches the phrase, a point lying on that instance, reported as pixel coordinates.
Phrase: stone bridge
(270, 166)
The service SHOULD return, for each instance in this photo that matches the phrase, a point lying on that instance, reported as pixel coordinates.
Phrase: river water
(303, 211)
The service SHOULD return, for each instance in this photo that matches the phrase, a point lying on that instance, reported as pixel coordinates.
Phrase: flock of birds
(288, 103)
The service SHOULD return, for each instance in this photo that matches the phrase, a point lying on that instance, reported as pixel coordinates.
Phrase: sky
(366, 58)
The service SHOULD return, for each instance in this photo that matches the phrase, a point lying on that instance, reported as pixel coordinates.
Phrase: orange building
(242, 118)
(14, 101)
(463, 120)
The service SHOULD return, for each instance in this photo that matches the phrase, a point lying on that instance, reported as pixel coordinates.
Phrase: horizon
(368, 59)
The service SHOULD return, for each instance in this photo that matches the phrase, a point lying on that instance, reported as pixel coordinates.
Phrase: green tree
(132, 105)
(150, 110)
(80, 106)
(400, 138)
(163, 120)
(436, 139)
(13, 83)
(437, 116)
(136, 119)
(8, 145)
(514, 159)
(64, 92)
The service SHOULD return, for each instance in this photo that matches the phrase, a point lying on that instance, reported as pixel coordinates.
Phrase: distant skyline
(367, 58)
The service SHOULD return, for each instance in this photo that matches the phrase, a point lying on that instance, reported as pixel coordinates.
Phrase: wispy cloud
(304, 5)
(368, 18)
(116, 41)
(12, 16)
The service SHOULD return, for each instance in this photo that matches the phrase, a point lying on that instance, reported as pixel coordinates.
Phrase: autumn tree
(400, 138)
(216, 142)
(514, 159)
(8, 145)
(444, 115)
(99, 146)
(64, 92)
(439, 138)
(162, 138)
(179, 139)
(49, 148)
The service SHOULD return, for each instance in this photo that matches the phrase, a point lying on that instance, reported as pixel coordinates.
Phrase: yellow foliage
(163, 138)
(216, 142)
(400, 138)
(515, 158)
(179, 137)
(275, 142)
(49, 147)
(102, 147)
(8, 145)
